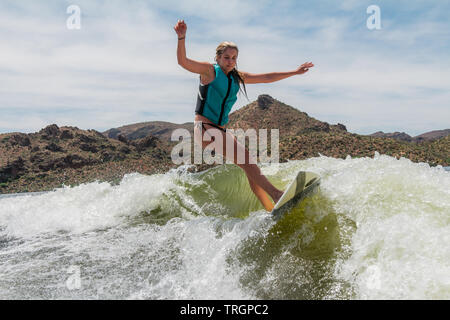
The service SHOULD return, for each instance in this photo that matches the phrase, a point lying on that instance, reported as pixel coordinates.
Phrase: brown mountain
(428, 136)
(394, 135)
(267, 112)
(160, 129)
(432, 135)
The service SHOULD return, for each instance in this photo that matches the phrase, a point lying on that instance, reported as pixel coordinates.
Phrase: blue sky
(120, 67)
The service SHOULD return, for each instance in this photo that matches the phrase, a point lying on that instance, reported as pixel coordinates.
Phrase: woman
(219, 85)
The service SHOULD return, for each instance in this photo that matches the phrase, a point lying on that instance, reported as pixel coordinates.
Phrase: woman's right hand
(304, 68)
(180, 28)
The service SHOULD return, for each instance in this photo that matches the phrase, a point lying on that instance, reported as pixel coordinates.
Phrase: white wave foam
(402, 213)
(202, 271)
(83, 208)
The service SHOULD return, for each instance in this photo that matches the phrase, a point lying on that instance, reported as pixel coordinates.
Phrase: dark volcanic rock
(341, 127)
(51, 131)
(125, 150)
(20, 139)
(107, 156)
(318, 127)
(84, 138)
(72, 161)
(39, 156)
(66, 135)
(88, 147)
(12, 170)
(147, 142)
(264, 101)
(122, 138)
(54, 147)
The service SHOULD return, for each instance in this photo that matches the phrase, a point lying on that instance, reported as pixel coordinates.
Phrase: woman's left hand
(304, 67)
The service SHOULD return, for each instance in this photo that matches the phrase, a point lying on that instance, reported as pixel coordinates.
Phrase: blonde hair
(239, 77)
(224, 46)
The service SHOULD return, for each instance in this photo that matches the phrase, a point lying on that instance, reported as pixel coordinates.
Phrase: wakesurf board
(300, 187)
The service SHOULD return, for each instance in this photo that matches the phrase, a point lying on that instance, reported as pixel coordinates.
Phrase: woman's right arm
(203, 68)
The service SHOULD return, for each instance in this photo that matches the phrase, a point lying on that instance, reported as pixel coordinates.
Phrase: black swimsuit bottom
(212, 125)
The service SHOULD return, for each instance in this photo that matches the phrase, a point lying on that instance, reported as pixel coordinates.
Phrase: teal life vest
(216, 99)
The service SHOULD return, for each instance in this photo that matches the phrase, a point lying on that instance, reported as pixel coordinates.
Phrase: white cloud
(121, 66)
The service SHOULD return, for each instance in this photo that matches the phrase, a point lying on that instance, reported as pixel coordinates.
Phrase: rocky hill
(160, 129)
(57, 156)
(402, 136)
(428, 136)
(433, 135)
(302, 137)
(267, 112)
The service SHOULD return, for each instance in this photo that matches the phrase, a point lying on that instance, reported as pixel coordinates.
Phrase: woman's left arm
(275, 76)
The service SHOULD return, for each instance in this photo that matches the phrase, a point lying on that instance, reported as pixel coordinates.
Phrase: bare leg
(261, 195)
(254, 175)
(258, 182)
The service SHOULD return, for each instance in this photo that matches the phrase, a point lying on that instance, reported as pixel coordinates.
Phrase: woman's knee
(249, 168)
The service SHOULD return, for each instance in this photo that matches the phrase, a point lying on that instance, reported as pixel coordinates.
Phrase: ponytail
(240, 80)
